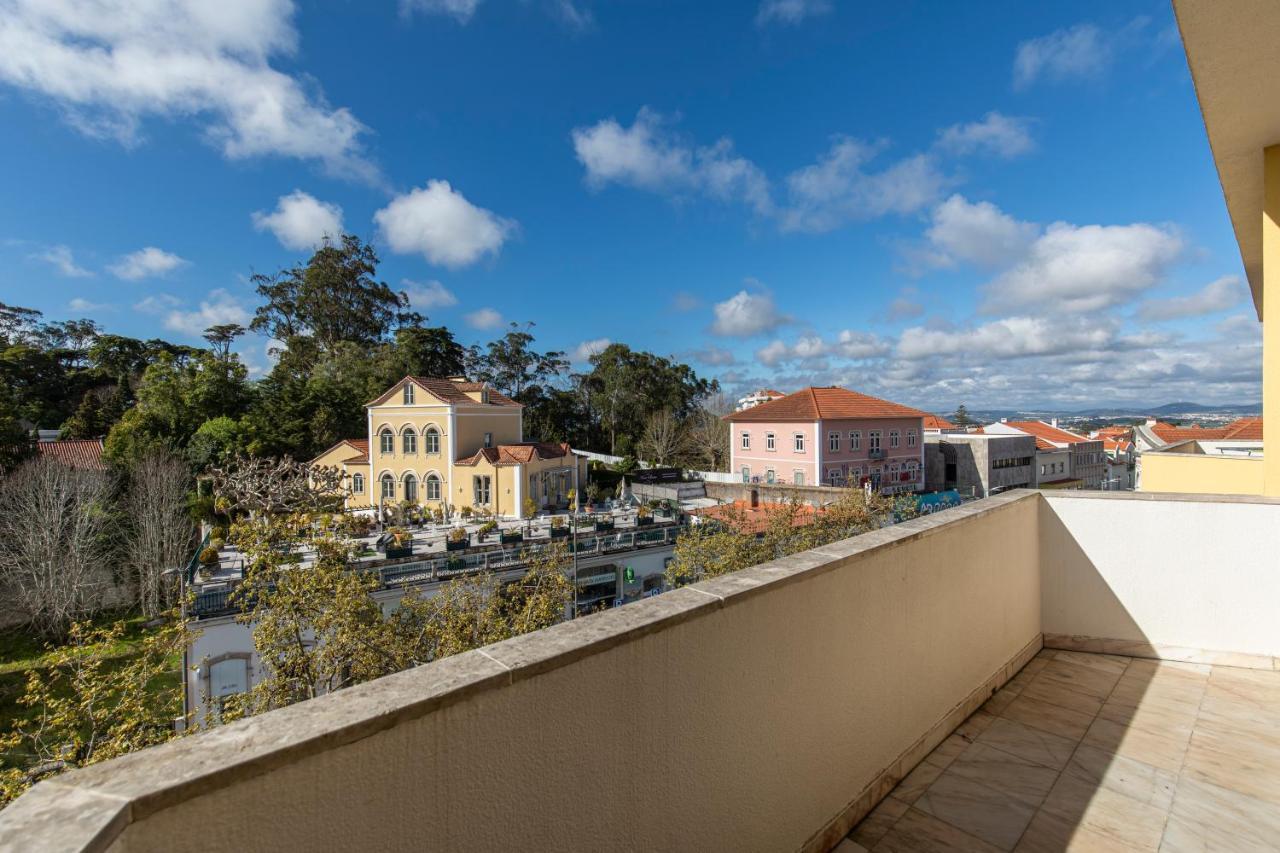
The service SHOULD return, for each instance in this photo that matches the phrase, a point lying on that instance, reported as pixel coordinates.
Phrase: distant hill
(1116, 411)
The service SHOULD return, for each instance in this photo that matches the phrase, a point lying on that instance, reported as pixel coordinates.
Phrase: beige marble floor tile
(1239, 765)
(1110, 664)
(1000, 700)
(1169, 669)
(1048, 717)
(977, 723)
(984, 812)
(849, 846)
(1142, 782)
(880, 820)
(1049, 834)
(1209, 817)
(1175, 698)
(1056, 693)
(915, 783)
(1085, 679)
(1175, 721)
(948, 751)
(1017, 777)
(1123, 819)
(1158, 750)
(1023, 741)
(918, 832)
(1247, 722)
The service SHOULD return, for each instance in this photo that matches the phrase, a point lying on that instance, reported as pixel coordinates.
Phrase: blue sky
(1009, 204)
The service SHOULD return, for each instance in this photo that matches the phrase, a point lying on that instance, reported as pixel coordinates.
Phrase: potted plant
(530, 507)
(209, 556)
(644, 516)
(572, 495)
(487, 528)
(456, 540)
(665, 509)
(603, 523)
(467, 512)
(509, 537)
(559, 527)
(397, 542)
(593, 495)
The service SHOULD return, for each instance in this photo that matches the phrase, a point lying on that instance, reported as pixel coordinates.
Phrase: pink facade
(887, 452)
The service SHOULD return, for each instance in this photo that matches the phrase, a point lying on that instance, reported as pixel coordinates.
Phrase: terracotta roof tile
(811, 404)
(518, 454)
(1048, 432)
(359, 445)
(453, 393)
(1245, 428)
(83, 453)
(935, 422)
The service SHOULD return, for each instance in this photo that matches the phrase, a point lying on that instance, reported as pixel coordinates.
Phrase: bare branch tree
(709, 434)
(664, 438)
(160, 531)
(263, 486)
(55, 542)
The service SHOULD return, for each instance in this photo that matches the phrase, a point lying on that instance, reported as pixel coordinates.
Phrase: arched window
(431, 438)
(357, 484)
(410, 488)
(410, 441)
(388, 487)
(433, 487)
(387, 440)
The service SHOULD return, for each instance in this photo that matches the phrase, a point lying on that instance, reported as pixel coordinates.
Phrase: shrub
(457, 534)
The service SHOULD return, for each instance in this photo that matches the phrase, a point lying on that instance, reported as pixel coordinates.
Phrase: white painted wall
(1196, 574)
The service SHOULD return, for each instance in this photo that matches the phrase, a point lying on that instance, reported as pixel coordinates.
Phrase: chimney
(1054, 423)
(1004, 420)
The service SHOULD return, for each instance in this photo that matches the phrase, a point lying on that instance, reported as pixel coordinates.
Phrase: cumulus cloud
(1218, 295)
(460, 10)
(147, 262)
(1082, 51)
(648, 156)
(1080, 268)
(713, 356)
(217, 308)
(1008, 337)
(156, 303)
(63, 260)
(79, 303)
(813, 350)
(438, 222)
(484, 318)
(790, 12)
(998, 134)
(428, 295)
(746, 314)
(301, 221)
(906, 306)
(583, 351)
(110, 64)
(840, 188)
(977, 233)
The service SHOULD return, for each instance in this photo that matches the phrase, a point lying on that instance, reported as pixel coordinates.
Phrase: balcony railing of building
(770, 709)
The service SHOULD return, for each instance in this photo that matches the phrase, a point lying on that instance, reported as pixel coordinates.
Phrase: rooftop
(74, 452)
(1047, 433)
(832, 402)
(452, 391)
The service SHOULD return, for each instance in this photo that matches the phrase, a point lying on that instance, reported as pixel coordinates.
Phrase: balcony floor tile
(1099, 753)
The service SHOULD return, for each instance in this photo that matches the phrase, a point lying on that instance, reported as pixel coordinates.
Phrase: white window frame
(482, 489)
(833, 442)
(770, 476)
(873, 440)
(409, 441)
(911, 438)
(433, 480)
(382, 487)
(357, 484)
(770, 442)
(431, 436)
(797, 477)
(386, 442)
(410, 484)
(798, 442)
(488, 439)
(895, 439)
(855, 439)
(408, 393)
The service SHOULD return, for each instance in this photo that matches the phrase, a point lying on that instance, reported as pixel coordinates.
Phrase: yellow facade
(1199, 474)
(418, 438)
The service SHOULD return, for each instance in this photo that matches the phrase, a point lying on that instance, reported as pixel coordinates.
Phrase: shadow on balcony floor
(1098, 752)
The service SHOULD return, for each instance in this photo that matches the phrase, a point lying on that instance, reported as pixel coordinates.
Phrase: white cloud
(583, 351)
(438, 222)
(1082, 51)
(814, 351)
(977, 233)
(63, 260)
(81, 304)
(1079, 268)
(648, 156)
(484, 318)
(573, 16)
(459, 10)
(218, 308)
(301, 221)
(156, 303)
(745, 314)
(147, 262)
(684, 301)
(428, 295)
(790, 11)
(860, 345)
(998, 134)
(1218, 295)
(1008, 337)
(773, 353)
(839, 188)
(905, 306)
(713, 356)
(110, 64)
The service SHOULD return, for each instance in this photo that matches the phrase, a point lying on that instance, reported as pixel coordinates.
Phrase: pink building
(829, 436)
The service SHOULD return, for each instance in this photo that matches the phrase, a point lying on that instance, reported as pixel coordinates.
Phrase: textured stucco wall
(1167, 571)
(743, 714)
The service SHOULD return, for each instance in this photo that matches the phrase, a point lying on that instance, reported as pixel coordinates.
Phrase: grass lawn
(20, 652)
